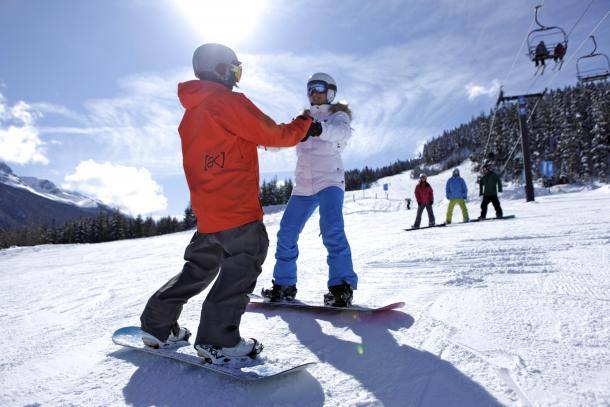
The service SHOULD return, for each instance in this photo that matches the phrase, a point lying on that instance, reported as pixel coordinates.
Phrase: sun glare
(227, 22)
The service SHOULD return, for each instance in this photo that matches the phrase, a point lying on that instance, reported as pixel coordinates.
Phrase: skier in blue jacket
(457, 192)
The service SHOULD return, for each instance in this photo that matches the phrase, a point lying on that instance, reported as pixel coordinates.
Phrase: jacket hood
(192, 93)
(456, 173)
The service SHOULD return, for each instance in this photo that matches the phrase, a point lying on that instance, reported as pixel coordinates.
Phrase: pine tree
(189, 221)
(600, 133)
(138, 228)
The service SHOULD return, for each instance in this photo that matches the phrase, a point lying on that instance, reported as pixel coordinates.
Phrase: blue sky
(88, 88)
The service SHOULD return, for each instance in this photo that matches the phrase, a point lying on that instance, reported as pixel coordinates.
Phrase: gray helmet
(423, 175)
(218, 63)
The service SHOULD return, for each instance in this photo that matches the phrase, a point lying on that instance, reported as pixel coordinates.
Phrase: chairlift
(553, 39)
(601, 66)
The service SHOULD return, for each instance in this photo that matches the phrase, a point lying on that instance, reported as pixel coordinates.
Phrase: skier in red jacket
(425, 199)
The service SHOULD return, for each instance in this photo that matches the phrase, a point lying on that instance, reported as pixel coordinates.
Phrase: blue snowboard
(262, 367)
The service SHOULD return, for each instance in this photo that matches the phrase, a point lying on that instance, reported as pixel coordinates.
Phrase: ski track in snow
(513, 312)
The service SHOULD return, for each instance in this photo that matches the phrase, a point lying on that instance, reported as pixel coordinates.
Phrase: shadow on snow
(397, 375)
(163, 382)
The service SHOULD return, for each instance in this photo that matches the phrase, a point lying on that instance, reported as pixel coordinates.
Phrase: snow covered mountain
(512, 312)
(29, 200)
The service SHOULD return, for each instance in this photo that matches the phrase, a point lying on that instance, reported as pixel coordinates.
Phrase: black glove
(315, 129)
(431, 202)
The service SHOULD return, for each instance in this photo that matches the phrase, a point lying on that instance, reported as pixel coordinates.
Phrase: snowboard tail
(262, 367)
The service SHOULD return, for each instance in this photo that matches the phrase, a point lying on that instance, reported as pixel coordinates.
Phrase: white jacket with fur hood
(319, 163)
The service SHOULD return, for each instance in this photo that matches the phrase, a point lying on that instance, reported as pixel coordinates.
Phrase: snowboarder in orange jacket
(220, 132)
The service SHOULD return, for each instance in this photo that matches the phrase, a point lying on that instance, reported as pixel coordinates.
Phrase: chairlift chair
(601, 66)
(552, 36)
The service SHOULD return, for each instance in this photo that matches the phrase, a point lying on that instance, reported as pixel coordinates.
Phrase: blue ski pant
(298, 211)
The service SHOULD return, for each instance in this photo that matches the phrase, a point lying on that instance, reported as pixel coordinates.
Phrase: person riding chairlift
(541, 53)
(559, 52)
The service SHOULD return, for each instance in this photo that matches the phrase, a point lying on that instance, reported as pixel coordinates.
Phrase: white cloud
(140, 124)
(406, 83)
(396, 92)
(474, 91)
(132, 190)
(400, 94)
(45, 108)
(19, 138)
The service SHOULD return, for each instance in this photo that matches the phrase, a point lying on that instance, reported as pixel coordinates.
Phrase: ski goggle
(237, 71)
(316, 87)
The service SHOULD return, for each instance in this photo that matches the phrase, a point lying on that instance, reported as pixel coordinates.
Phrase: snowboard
(257, 300)
(427, 227)
(486, 219)
(262, 367)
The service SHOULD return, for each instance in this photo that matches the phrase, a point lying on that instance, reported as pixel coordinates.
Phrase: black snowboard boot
(339, 295)
(280, 292)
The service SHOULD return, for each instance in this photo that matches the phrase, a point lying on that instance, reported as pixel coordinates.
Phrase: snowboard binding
(178, 336)
(280, 293)
(217, 355)
(339, 296)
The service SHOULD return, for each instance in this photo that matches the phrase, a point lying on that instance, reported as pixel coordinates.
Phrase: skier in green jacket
(489, 186)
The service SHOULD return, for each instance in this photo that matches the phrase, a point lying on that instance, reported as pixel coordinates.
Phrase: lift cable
(580, 18)
(510, 71)
(579, 47)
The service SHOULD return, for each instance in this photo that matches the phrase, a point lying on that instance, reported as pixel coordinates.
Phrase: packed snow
(512, 312)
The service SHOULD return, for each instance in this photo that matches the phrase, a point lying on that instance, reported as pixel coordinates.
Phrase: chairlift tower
(525, 145)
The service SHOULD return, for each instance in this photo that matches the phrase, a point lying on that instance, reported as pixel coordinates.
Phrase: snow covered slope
(513, 312)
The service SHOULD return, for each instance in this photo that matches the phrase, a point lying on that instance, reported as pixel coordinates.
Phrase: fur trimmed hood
(341, 107)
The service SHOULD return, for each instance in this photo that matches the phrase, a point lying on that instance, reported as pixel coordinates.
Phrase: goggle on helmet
(322, 83)
(229, 72)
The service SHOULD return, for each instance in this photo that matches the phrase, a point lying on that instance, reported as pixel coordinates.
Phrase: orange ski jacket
(220, 131)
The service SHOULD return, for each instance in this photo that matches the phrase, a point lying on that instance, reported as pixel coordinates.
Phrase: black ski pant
(494, 201)
(235, 256)
(420, 210)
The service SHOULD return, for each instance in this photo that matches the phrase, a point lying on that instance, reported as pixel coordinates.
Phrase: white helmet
(320, 82)
(218, 63)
